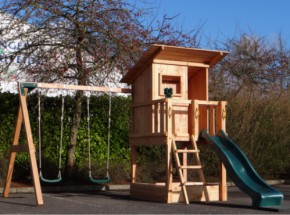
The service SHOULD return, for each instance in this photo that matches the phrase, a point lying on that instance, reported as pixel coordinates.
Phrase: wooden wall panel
(142, 88)
(180, 120)
(198, 89)
(165, 71)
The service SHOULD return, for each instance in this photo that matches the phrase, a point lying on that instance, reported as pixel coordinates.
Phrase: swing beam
(30, 86)
(23, 117)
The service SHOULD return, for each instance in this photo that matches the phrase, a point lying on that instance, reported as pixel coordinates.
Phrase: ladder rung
(191, 167)
(188, 183)
(187, 151)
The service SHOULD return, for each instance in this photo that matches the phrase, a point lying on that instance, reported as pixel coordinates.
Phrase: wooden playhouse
(161, 118)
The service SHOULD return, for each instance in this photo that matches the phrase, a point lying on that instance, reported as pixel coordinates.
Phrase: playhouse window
(170, 81)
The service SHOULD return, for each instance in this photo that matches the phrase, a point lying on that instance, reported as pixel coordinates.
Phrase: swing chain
(59, 177)
(89, 136)
(107, 178)
(39, 134)
(109, 133)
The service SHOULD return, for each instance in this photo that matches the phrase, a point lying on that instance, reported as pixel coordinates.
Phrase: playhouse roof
(173, 53)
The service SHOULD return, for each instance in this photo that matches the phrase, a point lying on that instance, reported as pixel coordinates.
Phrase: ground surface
(119, 202)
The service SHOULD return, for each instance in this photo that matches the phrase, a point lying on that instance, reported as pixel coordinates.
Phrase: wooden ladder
(197, 167)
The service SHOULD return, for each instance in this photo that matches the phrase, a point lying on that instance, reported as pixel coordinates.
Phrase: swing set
(23, 118)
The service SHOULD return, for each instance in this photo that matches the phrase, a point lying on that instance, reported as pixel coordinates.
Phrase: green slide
(241, 171)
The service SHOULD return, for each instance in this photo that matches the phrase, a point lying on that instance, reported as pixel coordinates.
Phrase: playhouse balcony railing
(209, 115)
(180, 118)
(152, 118)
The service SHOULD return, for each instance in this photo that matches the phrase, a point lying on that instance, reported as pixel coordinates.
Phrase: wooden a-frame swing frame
(23, 118)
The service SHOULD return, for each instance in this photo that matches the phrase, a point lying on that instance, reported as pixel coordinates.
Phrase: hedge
(50, 129)
(260, 127)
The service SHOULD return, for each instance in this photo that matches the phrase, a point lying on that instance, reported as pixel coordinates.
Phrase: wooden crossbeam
(74, 87)
(19, 148)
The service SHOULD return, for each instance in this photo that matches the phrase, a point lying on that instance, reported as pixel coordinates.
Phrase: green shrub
(50, 131)
(260, 126)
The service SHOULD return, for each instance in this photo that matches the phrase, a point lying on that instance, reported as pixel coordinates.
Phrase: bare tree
(254, 65)
(80, 42)
(254, 79)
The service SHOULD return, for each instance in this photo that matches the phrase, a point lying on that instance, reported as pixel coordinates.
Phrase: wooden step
(186, 151)
(191, 167)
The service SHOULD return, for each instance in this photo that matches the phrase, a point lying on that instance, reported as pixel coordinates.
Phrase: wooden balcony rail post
(195, 119)
(169, 176)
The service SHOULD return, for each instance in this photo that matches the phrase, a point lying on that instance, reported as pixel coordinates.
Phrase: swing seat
(100, 180)
(51, 181)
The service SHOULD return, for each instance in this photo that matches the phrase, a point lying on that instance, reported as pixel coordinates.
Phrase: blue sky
(226, 18)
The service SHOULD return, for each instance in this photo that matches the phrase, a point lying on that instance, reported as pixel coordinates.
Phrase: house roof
(173, 53)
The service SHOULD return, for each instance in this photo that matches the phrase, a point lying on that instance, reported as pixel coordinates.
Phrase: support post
(23, 116)
(184, 160)
(31, 150)
(133, 163)
(195, 119)
(13, 153)
(221, 124)
(169, 112)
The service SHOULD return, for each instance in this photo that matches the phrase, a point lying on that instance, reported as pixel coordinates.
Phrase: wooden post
(212, 120)
(221, 125)
(23, 116)
(31, 149)
(13, 153)
(162, 129)
(195, 119)
(169, 112)
(185, 161)
(133, 163)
